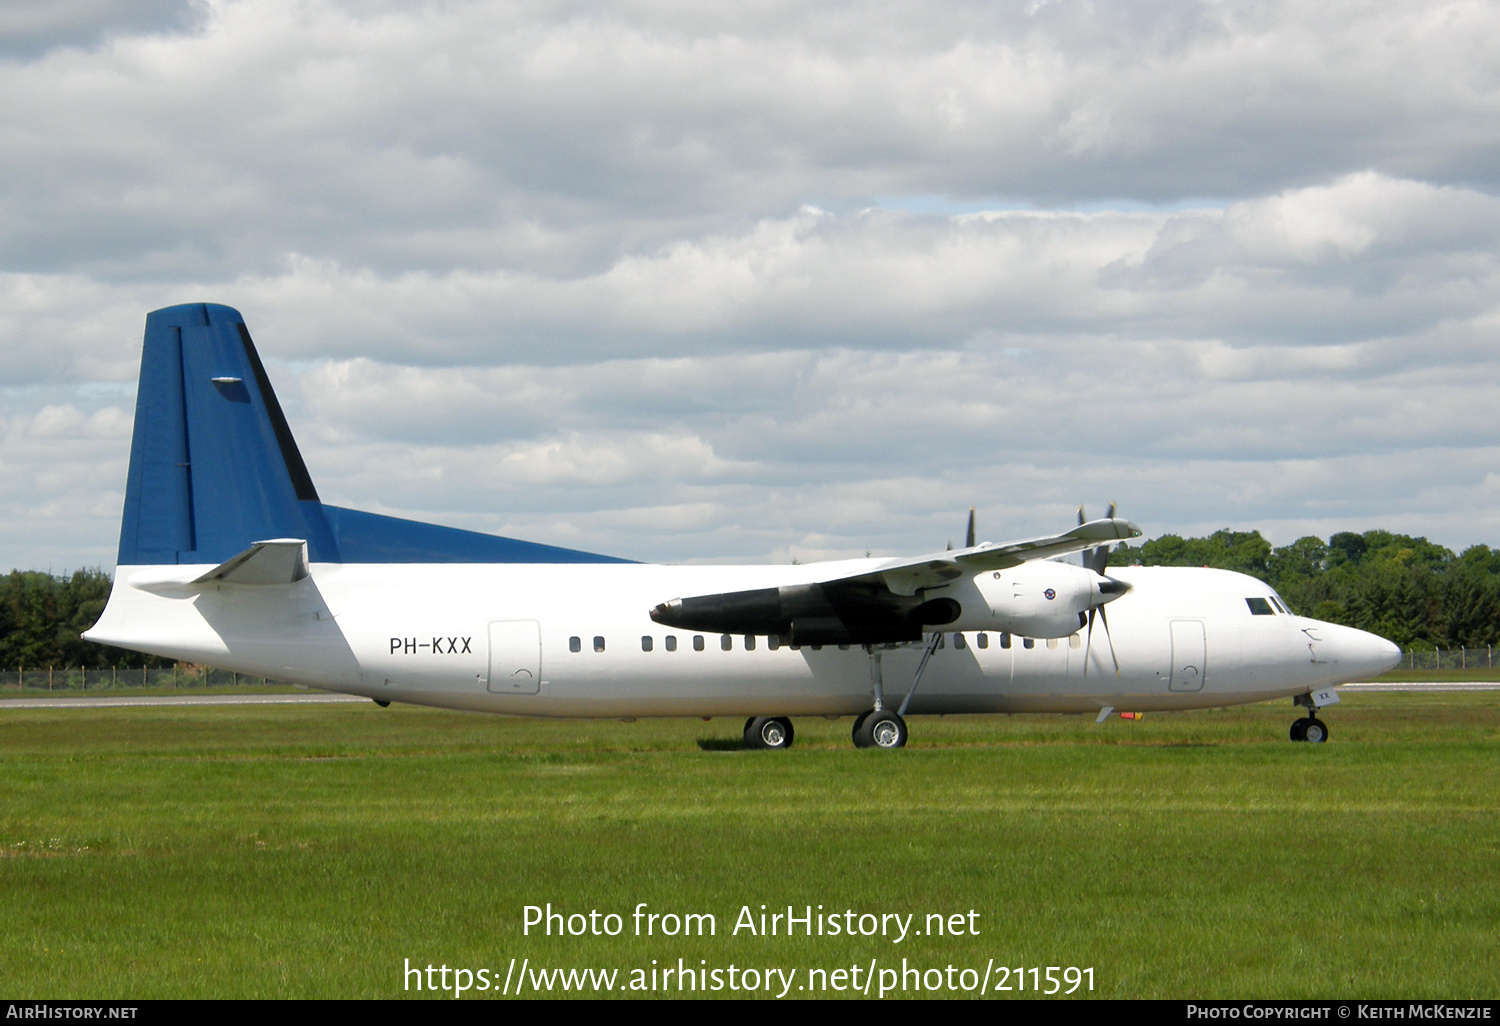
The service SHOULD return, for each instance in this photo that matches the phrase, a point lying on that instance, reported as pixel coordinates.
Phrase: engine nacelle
(1038, 599)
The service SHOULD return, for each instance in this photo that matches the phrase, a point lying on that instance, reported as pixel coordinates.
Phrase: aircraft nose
(1390, 654)
(1358, 653)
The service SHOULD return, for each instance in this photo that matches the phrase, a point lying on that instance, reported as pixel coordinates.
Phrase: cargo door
(515, 657)
(1189, 654)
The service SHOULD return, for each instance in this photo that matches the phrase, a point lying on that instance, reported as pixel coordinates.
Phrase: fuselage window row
(774, 643)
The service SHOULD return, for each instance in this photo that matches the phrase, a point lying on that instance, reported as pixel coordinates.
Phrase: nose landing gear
(1308, 728)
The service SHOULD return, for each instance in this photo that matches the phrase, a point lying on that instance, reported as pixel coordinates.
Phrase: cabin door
(515, 657)
(1189, 654)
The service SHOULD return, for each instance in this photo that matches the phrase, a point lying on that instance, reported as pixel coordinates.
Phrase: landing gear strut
(1308, 728)
(768, 732)
(880, 727)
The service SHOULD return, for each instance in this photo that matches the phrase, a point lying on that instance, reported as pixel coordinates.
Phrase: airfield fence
(73, 678)
(118, 678)
(1449, 659)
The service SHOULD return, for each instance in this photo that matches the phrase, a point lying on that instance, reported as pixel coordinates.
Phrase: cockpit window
(1259, 606)
(1280, 605)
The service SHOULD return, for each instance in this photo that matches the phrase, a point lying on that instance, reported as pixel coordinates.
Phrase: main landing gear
(768, 732)
(1308, 728)
(880, 727)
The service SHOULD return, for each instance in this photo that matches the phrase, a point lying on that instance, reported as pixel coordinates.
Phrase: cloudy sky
(772, 280)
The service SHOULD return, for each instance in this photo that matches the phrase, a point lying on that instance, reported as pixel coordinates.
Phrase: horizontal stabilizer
(278, 561)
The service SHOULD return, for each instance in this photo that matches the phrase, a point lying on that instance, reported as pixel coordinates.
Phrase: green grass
(308, 851)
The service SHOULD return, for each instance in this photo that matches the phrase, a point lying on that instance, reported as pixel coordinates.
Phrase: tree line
(1410, 590)
(42, 617)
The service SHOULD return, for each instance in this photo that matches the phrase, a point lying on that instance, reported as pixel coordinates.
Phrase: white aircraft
(229, 559)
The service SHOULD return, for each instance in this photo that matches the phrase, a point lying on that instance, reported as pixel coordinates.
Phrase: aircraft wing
(882, 604)
(909, 576)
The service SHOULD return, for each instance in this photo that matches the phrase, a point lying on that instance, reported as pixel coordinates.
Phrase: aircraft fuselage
(578, 641)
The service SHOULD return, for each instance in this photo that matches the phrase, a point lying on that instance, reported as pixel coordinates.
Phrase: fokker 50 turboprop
(228, 558)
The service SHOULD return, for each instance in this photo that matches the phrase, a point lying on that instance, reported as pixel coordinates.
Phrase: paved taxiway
(128, 700)
(1447, 685)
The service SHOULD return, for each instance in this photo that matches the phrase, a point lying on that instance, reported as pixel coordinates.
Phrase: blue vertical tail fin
(213, 465)
(214, 468)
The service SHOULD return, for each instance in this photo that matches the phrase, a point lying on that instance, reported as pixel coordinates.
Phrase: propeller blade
(1104, 618)
(969, 539)
(1088, 642)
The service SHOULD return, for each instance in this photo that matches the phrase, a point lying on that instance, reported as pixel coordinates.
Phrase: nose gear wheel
(1308, 728)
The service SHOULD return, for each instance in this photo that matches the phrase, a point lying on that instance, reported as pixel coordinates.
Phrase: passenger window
(1260, 607)
(816, 648)
(671, 643)
(843, 648)
(645, 643)
(726, 642)
(983, 640)
(1028, 643)
(598, 643)
(773, 642)
(749, 642)
(1074, 641)
(697, 643)
(575, 644)
(959, 643)
(1004, 640)
(1051, 642)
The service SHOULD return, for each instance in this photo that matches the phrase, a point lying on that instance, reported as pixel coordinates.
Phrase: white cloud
(1361, 258)
(617, 278)
(481, 134)
(63, 470)
(30, 28)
